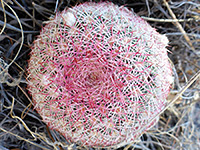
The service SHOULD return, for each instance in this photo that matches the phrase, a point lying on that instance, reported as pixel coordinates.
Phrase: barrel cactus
(98, 73)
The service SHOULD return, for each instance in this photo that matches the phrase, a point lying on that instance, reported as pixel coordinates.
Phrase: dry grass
(179, 125)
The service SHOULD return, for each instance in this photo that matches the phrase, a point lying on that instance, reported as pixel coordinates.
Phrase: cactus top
(98, 73)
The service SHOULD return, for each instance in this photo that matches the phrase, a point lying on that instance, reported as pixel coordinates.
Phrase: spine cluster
(98, 73)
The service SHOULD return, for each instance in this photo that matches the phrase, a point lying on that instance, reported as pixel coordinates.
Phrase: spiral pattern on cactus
(98, 73)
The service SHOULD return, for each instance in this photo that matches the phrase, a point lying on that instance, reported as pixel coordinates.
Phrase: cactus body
(98, 73)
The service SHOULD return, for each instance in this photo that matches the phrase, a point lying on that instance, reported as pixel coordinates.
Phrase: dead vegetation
(21, 128)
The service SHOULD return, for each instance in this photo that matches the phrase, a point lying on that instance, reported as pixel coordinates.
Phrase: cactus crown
(98, 73)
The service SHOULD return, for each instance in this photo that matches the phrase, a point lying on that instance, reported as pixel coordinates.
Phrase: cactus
(98, 73)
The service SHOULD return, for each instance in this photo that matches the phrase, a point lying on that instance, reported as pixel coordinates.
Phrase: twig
(148, 8)
(179, 26)
(27, 13)
(42, 10)
(22, 41)
(4, 14)
(16, 117)
(14, 18)
(168, 20)
(56, 7)
(24, 139)
(16, 29)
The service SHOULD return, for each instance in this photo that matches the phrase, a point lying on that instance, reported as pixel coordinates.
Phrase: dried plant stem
(192, 80)
(15, 82)
(179, 26)
(15, 29)
(53, 138)
(4, 25)
(27, 13)
(33, 134)
(19, 137)
(20, 119)
(167, 20)
(22, 41)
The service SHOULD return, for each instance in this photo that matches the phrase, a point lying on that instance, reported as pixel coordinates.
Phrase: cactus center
(93, 78)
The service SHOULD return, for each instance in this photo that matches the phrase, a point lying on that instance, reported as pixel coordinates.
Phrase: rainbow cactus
(98, 74)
